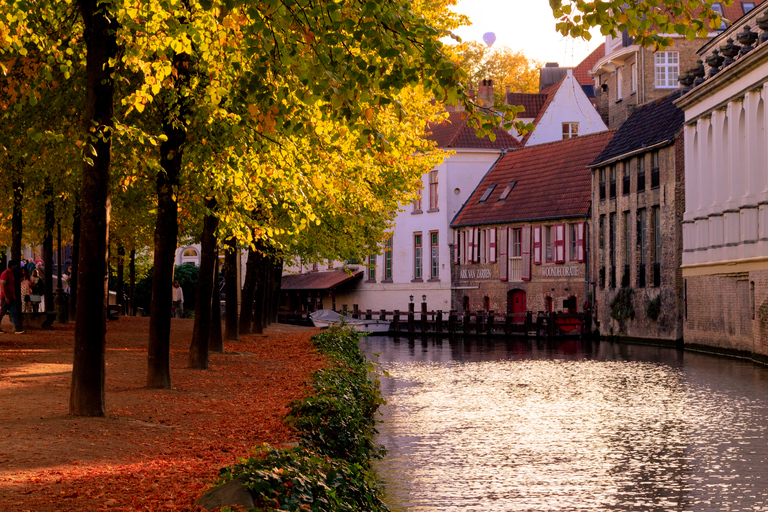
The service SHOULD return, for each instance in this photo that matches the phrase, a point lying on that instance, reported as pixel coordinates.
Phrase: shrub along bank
(330, 470)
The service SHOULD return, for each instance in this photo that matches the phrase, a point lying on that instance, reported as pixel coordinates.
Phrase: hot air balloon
(489, 38)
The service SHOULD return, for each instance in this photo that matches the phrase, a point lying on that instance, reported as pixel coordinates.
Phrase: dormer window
(487, 193)
(747, 6)
(507, 190)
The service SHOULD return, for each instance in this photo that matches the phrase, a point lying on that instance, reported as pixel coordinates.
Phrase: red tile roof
(531, 101)
(580, 72)
(455, 133)
(736, 10)
(553, 182)
(318, 280)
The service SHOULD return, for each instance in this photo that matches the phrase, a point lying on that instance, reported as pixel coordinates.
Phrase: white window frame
(619, 79)
(570, 130)
(666, 69)
(633, 77)
(418, 257)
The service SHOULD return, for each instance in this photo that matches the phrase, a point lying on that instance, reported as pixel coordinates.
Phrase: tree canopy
(650, 22)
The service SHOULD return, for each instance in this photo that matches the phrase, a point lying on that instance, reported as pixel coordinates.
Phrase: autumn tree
(506, 67)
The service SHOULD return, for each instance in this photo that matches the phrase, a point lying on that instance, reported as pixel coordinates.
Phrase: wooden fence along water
(488, 323)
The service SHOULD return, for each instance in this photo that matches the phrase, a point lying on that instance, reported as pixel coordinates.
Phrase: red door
(516, 304)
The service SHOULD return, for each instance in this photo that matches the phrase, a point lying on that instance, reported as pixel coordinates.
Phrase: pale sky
(526, 25)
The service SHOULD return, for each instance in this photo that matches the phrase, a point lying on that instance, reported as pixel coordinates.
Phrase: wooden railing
(490, 323)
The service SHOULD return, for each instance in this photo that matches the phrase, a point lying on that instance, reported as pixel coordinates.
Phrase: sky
(526, 25)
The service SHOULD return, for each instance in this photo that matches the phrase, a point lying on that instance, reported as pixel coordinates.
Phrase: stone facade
(648, 262)
(725, 226)
(479, 286)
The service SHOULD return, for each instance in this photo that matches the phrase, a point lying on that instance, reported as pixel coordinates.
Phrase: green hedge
(336, 425)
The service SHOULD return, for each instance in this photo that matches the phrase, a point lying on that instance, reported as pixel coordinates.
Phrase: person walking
(8, 302)
(178, 300)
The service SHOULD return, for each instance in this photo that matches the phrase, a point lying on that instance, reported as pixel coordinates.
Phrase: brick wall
(667, 196)
(616, 110)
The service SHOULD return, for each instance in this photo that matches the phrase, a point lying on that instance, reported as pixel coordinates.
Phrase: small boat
(328, 318)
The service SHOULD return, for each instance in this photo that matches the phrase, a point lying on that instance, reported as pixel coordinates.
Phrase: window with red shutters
(559, 243)
(492, 246)
(581, 228)
(503, 259)
(526, 251)
(537, 245)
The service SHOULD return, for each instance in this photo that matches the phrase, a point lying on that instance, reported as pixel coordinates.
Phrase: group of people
(32, 290)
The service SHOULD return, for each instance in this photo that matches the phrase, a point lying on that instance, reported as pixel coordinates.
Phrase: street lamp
(424, 298)
(411, 298)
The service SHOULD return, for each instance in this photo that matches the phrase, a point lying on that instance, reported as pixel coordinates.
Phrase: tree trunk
(216, 343)
(17, 228)
(274, 298)
(120, 276)
(132, 283)
(201, 335)
(75, 258)
(88, 369)
(259, 300)
(252, 266)
(166, 233)
(50, 221)
(231, 288)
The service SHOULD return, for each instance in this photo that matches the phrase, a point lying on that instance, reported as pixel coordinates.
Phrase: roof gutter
(632, 153)
(530, 219)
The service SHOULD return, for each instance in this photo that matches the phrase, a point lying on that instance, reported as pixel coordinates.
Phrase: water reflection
(479, 425)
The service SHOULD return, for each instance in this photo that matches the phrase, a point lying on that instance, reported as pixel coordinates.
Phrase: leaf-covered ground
(157, 449)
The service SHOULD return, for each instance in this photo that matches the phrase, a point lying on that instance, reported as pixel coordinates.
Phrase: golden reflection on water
(480, 426)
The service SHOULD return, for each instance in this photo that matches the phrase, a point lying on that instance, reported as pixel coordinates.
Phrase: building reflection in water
(485, 425)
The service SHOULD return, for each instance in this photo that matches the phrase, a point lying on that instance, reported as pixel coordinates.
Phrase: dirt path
(157, 449)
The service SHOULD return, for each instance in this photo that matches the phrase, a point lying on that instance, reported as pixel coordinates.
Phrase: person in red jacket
(8, 302)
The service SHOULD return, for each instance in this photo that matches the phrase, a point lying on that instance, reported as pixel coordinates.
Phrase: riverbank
(158, 449)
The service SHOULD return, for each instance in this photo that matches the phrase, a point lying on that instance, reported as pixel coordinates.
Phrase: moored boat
(328, 317)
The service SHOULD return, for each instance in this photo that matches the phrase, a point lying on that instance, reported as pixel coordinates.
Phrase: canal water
(478, 425)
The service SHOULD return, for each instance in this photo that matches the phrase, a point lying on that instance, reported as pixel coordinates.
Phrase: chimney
(485, 93)
(551, 65)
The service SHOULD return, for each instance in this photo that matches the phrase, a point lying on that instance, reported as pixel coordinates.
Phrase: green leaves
(645, 20)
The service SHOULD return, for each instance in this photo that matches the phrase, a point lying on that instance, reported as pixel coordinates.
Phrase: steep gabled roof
(581, 71)
(651, 124)
(455, 133)
(552, 182)
(550, 96)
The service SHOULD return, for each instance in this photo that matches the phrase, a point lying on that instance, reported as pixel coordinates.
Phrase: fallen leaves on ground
(157, 449)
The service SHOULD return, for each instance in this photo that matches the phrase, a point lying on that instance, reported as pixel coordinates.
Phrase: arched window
(190, 255)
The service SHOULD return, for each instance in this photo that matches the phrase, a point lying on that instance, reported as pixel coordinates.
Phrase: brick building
(630, 75)
(637, 210)
(725, 226)
(520, 240)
